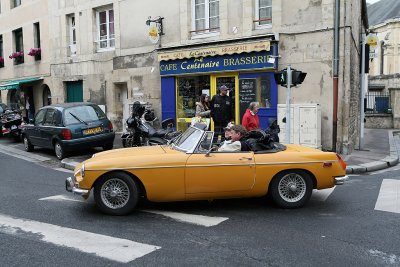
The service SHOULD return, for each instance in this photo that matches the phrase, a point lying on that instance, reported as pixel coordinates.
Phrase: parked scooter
(12, 124)
(140, 131)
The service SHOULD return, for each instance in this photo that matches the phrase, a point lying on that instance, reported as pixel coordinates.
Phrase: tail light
(66, 134)
(110, 126)
(342, 163)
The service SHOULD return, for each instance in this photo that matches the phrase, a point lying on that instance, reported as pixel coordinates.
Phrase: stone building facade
(100, 51)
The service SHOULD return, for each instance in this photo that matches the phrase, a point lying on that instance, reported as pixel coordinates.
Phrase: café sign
(244, 61)
(215, 51)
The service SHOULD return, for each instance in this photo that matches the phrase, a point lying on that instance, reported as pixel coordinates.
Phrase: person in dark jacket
(221, 112)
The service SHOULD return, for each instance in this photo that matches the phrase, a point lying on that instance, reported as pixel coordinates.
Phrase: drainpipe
(335, 73)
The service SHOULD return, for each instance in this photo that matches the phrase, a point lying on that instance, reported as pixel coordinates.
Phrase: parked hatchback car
(69, 127)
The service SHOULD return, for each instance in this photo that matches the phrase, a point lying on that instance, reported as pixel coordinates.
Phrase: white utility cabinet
(305, 127)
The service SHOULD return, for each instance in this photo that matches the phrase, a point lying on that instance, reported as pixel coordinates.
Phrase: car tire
(121, 199)
(108, 146)
(291, 189)
(59, 150)
(27, 144)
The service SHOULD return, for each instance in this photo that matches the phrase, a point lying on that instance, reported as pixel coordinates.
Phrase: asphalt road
(39, 221)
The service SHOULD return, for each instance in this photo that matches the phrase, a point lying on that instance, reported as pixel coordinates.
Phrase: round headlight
(83, 170)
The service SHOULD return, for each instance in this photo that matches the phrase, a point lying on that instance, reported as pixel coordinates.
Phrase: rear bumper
(90, 141)
(341, 179)
(71, 187)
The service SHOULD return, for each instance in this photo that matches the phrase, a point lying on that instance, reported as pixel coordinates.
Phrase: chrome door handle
(244, 158)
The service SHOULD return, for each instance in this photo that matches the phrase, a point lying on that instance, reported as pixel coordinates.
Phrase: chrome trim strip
(208, 165)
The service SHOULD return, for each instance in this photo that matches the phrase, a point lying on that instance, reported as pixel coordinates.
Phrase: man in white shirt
(237, 132)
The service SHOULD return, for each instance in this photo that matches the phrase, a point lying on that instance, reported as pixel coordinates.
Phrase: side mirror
(32, 121)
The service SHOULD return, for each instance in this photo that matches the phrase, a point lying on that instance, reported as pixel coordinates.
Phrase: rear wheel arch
(314, 180)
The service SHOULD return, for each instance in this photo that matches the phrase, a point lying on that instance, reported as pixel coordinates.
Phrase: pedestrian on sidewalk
(221, 112)
(250, 118)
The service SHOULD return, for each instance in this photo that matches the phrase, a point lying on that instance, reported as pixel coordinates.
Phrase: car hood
(132, 151)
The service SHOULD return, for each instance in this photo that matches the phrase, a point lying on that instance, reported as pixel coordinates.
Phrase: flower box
(35, 52)
(18, 57)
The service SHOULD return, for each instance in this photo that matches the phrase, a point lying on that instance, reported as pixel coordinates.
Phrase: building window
(105, 30)
(263, 13)
(1, 52)
(205, 17)
(19, 46)
(36, 36)
(72, 35)
(15, 3)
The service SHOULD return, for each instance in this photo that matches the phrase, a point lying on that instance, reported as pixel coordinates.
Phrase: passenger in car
(237, 142)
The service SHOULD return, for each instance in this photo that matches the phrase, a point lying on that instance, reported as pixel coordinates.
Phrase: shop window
(264, 91)
(105, 30)
(205, 18)
(15, 3)
(72, 35)
(263, 13)
(188, 93)
(1, 52)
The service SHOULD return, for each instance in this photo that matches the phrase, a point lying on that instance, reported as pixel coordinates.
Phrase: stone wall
(378, 121)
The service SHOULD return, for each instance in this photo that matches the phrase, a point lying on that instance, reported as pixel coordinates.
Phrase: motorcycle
(140, 131)
(12, 124)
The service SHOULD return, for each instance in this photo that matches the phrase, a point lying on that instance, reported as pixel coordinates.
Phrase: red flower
(16, 54)
(35, 52)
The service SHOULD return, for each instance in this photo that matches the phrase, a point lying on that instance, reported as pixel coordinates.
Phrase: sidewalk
(381, 150)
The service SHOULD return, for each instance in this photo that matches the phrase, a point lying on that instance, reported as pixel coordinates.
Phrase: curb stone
(388, 161)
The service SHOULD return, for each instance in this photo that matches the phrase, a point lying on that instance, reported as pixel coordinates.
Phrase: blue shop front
(186, 75)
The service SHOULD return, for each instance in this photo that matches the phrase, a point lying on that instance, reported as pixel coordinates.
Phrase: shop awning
(215, 50)
(15, 84)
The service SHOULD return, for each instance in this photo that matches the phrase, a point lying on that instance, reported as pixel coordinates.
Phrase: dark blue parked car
(69, 127)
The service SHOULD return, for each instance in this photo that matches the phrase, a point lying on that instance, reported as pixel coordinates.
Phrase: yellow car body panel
(171, 175)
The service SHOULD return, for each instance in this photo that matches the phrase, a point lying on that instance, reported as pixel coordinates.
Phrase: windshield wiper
(78, 119)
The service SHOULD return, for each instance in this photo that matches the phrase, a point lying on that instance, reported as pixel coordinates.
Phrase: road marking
(22, 154)
(201, 220)
(322, 195)
(389, 196)
(62, 198)
(116, 249)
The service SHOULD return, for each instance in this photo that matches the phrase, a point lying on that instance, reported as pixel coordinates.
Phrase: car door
(219, 174)
(34, 133)
(48, 129)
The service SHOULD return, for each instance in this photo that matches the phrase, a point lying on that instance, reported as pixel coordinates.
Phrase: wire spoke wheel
(115, 193)
(292, 187)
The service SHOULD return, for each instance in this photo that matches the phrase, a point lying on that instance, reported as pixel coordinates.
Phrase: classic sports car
(190, 169)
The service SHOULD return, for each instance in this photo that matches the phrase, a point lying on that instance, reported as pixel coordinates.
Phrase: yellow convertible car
(189, 169)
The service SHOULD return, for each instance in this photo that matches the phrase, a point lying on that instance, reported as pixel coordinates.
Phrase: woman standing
(250, 118)
(202, 107)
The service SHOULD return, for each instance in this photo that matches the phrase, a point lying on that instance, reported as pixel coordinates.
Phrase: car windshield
(81, 114)
(188, 140)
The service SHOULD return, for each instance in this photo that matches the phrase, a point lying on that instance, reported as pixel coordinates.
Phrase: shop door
(75, 91)
(230, 81)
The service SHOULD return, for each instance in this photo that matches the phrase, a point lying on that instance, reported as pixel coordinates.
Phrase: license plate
(92, 130)
(13, 127)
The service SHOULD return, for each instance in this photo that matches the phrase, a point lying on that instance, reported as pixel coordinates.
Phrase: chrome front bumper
(70, 187)
(341, 179)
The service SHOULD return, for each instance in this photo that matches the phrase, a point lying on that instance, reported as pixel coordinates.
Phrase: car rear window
(81, 114)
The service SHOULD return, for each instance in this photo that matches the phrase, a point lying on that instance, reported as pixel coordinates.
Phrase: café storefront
(246, 69)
